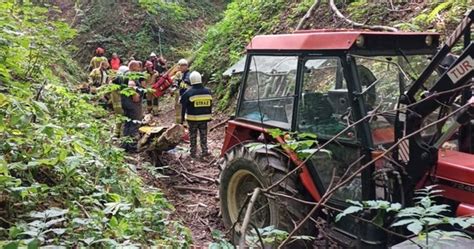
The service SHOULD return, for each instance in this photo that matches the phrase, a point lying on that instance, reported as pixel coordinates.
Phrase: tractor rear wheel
(245, 170)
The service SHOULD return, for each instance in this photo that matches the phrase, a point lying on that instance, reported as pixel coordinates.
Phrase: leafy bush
(423, 219)
(62, 182)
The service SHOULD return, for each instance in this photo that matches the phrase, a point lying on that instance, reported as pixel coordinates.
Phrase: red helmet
(148, 64)
(99, 51)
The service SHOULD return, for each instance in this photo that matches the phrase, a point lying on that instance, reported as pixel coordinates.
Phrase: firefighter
(197, 104)
(161, 67)
(97, 59)
(181, 80)
(120, 82)
(151, 76)
(132, 106)
(98, 76)
(154, 59)
(115, 62)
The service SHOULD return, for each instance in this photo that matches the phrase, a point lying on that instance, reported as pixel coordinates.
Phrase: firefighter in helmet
(98, 76)
(97, 59)
(181, 80)
(131, 105)
(151, 76)
(197, 105)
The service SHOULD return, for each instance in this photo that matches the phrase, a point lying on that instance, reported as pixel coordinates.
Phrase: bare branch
(248, 213)
(357, 24)
(308, 14)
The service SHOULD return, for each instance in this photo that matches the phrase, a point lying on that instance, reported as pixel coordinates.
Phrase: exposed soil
(195, 199)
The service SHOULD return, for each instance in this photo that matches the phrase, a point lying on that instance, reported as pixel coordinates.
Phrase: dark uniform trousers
(194, 128)
(197, 101)
(133, 111)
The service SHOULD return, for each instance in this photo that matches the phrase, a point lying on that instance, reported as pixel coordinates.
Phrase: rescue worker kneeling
(197, 104)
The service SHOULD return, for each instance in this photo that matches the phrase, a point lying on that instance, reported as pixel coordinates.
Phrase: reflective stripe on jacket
(197, 102)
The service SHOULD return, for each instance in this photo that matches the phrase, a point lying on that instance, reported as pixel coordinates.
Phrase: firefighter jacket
(151, 78)
(182, 80)
(98, 77)
(95, 62)
(197, 103)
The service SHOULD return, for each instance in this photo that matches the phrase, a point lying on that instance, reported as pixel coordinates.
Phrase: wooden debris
(190, 188)
(169, 139)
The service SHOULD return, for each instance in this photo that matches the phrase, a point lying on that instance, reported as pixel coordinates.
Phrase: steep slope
(62, 180)
(138, 27)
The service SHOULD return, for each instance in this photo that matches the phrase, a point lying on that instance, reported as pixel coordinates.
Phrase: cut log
(148, 133)
(169, 139)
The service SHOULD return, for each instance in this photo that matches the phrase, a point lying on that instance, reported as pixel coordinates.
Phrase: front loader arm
(418, 154)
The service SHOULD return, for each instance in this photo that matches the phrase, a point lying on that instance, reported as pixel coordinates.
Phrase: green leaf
(349, 210)
(431, 221)
(35, 243)
(275, 132)
(415, 227)
(113, 222)
(41, 106)
(403, 222)
(394, 207)
(12, 245)
(306, 135)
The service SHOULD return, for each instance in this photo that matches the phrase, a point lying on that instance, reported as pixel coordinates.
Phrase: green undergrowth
(62, 182)
(139, 27)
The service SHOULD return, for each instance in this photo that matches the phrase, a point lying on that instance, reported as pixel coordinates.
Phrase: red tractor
(324, 81)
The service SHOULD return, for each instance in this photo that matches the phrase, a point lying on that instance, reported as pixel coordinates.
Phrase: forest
(302, 147)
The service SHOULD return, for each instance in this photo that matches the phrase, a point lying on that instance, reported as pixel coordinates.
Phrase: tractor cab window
(269, 90)
(324, 104)
(383, 79)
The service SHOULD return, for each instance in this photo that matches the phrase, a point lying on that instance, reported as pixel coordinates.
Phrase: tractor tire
(243, 171)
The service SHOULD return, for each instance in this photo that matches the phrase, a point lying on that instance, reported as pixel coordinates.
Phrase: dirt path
(195, 198)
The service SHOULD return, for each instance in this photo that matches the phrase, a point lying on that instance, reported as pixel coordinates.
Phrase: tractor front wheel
(245, 170)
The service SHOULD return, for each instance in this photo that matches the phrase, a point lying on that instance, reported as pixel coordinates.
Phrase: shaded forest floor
(190, 185)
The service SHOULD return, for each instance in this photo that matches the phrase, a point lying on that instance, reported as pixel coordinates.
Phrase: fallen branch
(183, 175)
(202, 177)
(6, 221)
(83, 209)
(248, 213)
(185, 171)
(219, 124)
(308, 14)
(357, 24)
(196, 189)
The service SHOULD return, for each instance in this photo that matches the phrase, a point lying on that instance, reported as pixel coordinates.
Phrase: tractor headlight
(429, 40)
(360, 41)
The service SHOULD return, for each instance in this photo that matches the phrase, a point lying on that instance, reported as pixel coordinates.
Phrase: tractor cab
(345, 84)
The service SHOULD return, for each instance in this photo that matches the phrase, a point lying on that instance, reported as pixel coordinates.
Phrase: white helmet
(122, 69)
(195, 78)
(183, 62)
(152, 54)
